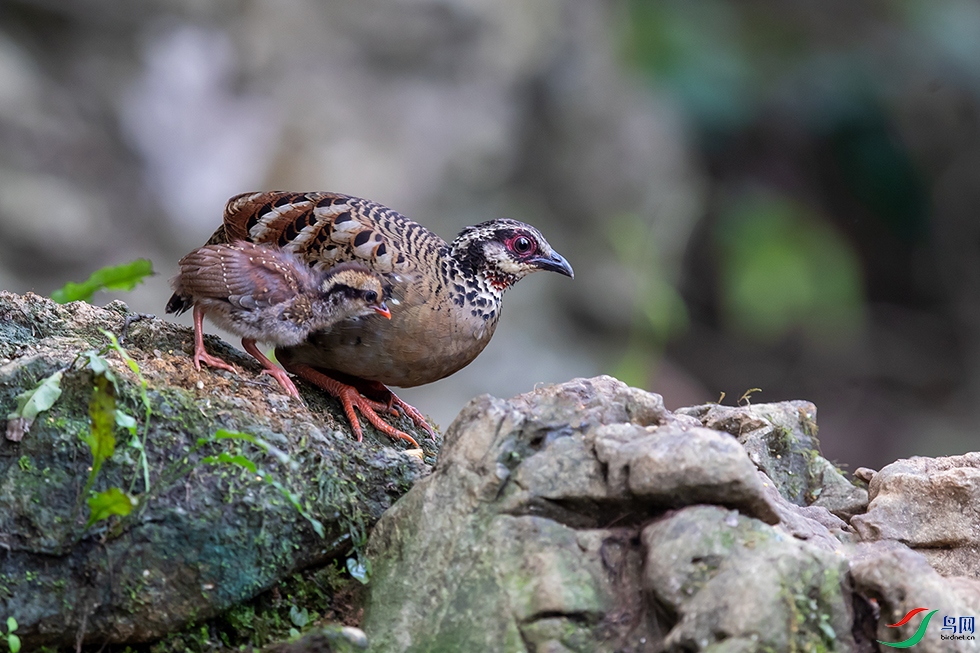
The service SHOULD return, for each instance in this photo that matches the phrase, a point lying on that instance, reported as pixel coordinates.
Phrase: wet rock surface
(206, 535)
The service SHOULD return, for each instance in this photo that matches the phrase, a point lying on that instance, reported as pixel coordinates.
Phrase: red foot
(350, 398)
(409, 410)
(200, 355)
(271, 368)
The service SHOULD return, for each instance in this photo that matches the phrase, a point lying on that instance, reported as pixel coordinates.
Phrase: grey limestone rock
(724, 576)
(933, 506)
(896, 579)
(781, 439)
(560, 519)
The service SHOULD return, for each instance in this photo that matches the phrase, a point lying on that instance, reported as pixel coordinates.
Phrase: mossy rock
(204, 536)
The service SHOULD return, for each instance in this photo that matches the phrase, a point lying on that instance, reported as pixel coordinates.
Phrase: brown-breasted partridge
(445, 297)
(261, 293)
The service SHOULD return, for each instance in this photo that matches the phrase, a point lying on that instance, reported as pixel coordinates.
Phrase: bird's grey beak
(382, 309)
(555, 263)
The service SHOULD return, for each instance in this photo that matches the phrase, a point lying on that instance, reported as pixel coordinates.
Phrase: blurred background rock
(753, 193)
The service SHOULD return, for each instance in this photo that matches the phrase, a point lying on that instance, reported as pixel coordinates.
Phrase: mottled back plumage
(445, 297)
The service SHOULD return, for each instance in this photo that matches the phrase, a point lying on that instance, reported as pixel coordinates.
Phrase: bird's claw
(287, 383)
(212, 361)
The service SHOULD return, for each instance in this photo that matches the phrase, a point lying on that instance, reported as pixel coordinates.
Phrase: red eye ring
(521, 245)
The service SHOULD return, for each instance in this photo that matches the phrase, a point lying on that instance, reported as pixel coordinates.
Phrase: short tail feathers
(178, 304)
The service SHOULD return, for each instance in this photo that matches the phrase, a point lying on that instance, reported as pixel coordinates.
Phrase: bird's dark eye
(522, 245)
(371, 296)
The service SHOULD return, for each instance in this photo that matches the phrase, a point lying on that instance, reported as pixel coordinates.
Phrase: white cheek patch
(504, 261)
(510, 266)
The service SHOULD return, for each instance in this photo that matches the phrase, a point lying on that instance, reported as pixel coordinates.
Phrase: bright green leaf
(13, 641)
(144, 397)
(111, 502)
(115, 277)
(11, 624)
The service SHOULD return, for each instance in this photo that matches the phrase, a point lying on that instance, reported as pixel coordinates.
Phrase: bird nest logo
(958, 627)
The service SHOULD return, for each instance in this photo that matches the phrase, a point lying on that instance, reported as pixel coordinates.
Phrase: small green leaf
(13, 641)
(31, 403)
(299, 617)
(115, 277)
(223, 434)
(316, 524)
(97, 363)
(100, 367)
(38, 399)
(239, 460)
(11, 624)
(111, 502)
(360, 569)
(126, 421)
(102, 411)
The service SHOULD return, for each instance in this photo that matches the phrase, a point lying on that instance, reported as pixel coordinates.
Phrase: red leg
(408, 409)
(200, 355)
(350, 398)
(271, 368)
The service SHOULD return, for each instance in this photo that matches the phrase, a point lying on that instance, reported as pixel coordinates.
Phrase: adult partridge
(445, 297)
(262, 293)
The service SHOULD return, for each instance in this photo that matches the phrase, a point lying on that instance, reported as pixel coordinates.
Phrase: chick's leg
(271, 368)
(200, 354)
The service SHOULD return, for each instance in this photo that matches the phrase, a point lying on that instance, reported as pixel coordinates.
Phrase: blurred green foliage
(695, 50)
(116, 277)
(783, 270)
(795, 125)
(659, 312)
